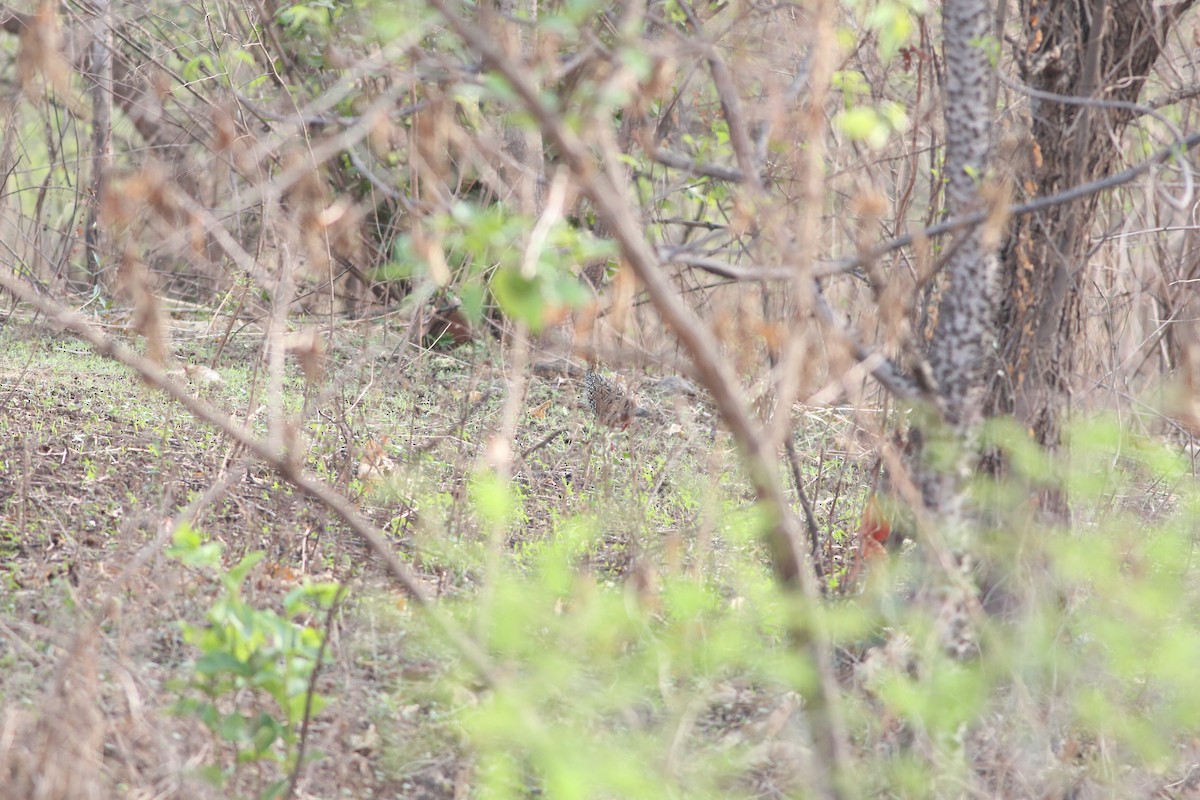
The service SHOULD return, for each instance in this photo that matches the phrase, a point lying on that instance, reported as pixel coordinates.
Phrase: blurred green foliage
(616, 687)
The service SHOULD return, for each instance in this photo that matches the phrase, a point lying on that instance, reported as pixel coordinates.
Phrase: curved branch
(727, 94)
(697, 168)
(889, 375)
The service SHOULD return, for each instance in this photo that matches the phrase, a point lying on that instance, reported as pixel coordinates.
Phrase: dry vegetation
(300, 494)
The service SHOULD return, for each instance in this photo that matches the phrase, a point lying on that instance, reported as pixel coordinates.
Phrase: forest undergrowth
(567, 400)
(618, 585)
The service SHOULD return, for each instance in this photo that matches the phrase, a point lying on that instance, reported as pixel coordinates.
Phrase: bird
(610, 401)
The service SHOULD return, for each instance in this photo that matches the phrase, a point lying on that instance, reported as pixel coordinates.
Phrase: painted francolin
(610, 401)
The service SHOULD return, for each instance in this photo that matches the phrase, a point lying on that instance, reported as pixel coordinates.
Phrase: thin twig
(728, 95)
(545, 441)
(810, 519)
(700, 169)
(843, 266)
(311, 692)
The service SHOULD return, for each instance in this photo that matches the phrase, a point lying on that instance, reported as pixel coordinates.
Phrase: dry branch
(849, 264)
(785, 535)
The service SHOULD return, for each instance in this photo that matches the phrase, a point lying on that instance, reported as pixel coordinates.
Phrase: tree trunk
(966, 313)
(965, 330)
(1089, 49)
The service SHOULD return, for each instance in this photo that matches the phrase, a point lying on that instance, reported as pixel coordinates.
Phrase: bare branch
(698, 168)
(13, 21)
(849, 264)
(884, 370)
(725, 269)
(731, 106)
(1177, 96)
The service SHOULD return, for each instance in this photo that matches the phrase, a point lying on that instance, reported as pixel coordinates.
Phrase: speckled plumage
(610, 401)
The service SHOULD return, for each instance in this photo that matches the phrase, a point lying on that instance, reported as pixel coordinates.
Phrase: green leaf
(190, 550)
(472, 296)
(238, 574)
(274, 789)
(865, 124)
(493, 498)
(233, 728)
(520, 298)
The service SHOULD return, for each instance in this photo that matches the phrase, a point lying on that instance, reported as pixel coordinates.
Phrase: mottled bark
(966, 316)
